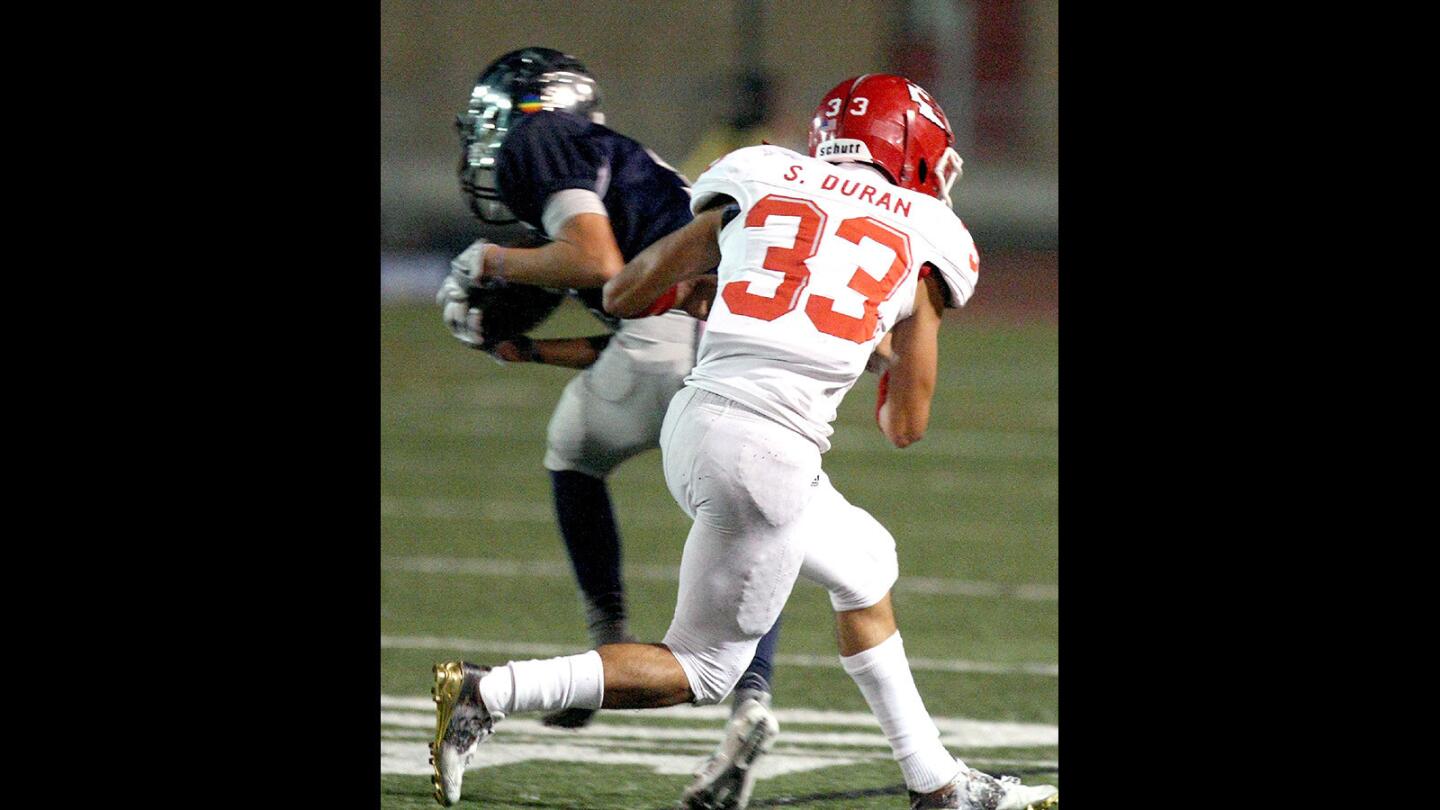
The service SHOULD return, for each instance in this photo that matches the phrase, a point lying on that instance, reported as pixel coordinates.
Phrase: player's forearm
(687, 252)
(570, 352)
(905, 414)
(578, 353)
(912, 370)
(559, 265)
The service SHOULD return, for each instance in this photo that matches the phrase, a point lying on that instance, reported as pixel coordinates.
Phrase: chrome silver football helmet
(518, 83)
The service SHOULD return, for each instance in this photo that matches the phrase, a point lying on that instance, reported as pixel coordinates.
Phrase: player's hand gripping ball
(482, 316)
(464, 320)
(468, 269)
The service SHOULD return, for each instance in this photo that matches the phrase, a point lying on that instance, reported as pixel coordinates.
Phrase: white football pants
(612, 411)
(764, 514)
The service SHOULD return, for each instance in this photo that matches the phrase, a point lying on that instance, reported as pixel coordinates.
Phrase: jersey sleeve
(567, 203)
(958, 263)
(546, 152)
(727, 176)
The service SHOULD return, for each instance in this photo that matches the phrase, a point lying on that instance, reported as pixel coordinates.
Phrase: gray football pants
(613, 410)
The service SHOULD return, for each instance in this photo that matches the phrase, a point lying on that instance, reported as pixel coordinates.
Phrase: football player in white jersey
(819, 257)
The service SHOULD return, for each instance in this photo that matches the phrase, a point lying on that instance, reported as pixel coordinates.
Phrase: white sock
(570, 681)
(883, 675)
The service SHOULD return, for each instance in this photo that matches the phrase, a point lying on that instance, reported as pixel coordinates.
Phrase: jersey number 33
(791, 261)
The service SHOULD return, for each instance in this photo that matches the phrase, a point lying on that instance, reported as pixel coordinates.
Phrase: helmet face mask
(520, 82)
(890, 123)
(483, 127)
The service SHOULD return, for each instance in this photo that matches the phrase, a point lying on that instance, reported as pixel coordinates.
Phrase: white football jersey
(821, 262)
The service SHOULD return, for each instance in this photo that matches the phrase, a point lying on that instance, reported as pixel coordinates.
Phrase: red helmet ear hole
(923, 170)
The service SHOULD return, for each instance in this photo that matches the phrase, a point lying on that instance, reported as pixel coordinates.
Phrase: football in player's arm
(582, 254)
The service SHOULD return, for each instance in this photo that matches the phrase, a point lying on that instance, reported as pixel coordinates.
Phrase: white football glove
(468, 268)
(462, 319)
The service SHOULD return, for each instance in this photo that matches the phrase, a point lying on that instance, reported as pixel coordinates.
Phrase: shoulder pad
(958, 259)
(546, 152)
(728, 175)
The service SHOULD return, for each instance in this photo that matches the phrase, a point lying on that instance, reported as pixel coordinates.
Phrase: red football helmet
(892, 124)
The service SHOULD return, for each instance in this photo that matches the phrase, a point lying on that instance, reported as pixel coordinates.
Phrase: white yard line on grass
(470, 645)
(976, 733)
(406, 722)
(558, 569)
(413, 758)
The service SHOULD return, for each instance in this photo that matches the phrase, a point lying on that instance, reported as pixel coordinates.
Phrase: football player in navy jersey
(535, 150)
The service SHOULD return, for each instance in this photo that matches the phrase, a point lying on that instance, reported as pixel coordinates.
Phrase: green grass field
(473, 567)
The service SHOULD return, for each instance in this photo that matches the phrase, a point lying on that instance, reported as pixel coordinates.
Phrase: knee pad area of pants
(873, 580)
(712, 684)
(712, 675)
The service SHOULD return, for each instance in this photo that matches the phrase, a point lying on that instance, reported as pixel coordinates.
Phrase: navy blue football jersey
(551, 151)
